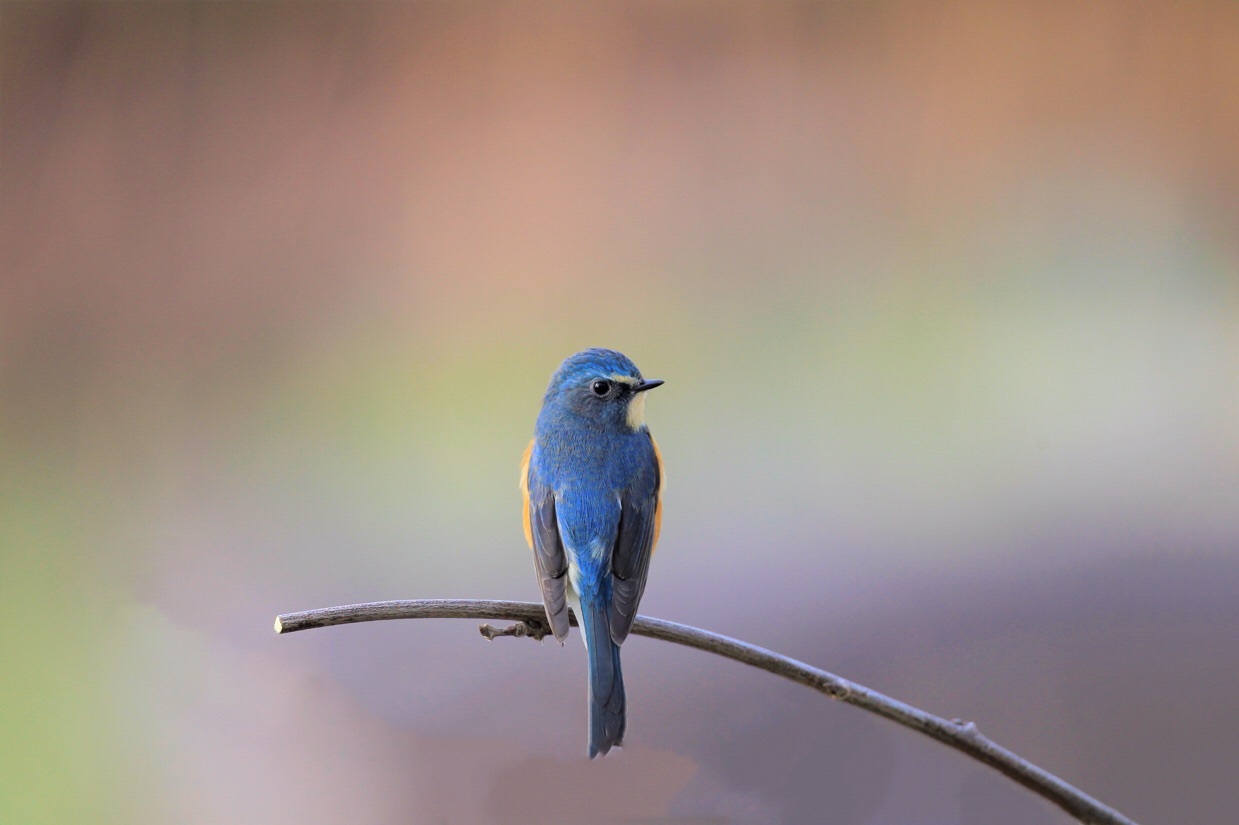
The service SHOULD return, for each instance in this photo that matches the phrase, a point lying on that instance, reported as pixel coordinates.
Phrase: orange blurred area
(946, 296)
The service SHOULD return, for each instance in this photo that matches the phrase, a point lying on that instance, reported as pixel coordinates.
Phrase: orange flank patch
(525, 493)
(658, 508)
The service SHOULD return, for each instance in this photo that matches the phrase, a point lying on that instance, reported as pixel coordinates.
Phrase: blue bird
(592, 482)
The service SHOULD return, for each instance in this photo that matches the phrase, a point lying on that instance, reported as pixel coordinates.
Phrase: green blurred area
(56, 717)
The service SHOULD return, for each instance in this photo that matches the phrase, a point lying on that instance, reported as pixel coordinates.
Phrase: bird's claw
(532, 628)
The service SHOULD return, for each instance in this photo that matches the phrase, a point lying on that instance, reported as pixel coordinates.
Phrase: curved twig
(531, 618)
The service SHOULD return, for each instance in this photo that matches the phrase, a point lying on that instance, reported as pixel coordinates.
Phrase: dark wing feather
(542, 531)
(634, 545)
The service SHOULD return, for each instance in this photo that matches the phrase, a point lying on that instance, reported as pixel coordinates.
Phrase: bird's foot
(532, 628)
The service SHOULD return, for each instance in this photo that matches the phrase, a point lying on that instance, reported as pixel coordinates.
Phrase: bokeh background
(946, 296)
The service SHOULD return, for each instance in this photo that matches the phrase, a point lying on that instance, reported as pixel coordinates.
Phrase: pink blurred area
(946, 295)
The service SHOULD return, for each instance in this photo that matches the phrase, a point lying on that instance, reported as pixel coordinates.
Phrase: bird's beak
(648, 385)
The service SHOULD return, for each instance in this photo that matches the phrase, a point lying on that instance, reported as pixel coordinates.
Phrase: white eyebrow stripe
(625, 379)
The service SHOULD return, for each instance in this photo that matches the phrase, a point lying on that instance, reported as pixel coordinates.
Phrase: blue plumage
(592, 479)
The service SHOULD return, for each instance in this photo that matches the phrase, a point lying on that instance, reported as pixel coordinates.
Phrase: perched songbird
(592, 479)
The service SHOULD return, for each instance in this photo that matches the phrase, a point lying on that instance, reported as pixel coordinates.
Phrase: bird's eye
(600, 388)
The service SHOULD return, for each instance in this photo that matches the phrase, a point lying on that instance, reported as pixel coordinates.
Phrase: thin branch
(531, 621)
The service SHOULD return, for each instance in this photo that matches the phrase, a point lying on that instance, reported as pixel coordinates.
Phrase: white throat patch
(636, 404)
(636, 411)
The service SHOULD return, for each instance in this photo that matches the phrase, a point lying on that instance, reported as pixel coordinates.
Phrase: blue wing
(542, 533)
(640, 521)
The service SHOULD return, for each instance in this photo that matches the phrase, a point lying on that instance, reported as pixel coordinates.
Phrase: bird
(592, 480)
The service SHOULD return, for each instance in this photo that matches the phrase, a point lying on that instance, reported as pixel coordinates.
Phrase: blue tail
(607, 718)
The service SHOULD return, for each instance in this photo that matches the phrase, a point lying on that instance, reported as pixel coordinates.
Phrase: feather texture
(542, 533)
(607, 706)
(591, 480)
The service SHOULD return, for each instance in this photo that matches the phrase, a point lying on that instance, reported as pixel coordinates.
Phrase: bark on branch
(531, 621)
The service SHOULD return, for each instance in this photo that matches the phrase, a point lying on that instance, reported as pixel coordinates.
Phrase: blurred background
(945, 294)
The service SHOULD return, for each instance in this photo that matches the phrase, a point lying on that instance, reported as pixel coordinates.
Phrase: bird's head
(601, 385)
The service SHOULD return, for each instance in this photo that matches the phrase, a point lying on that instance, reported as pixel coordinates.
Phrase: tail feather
(607, 717)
